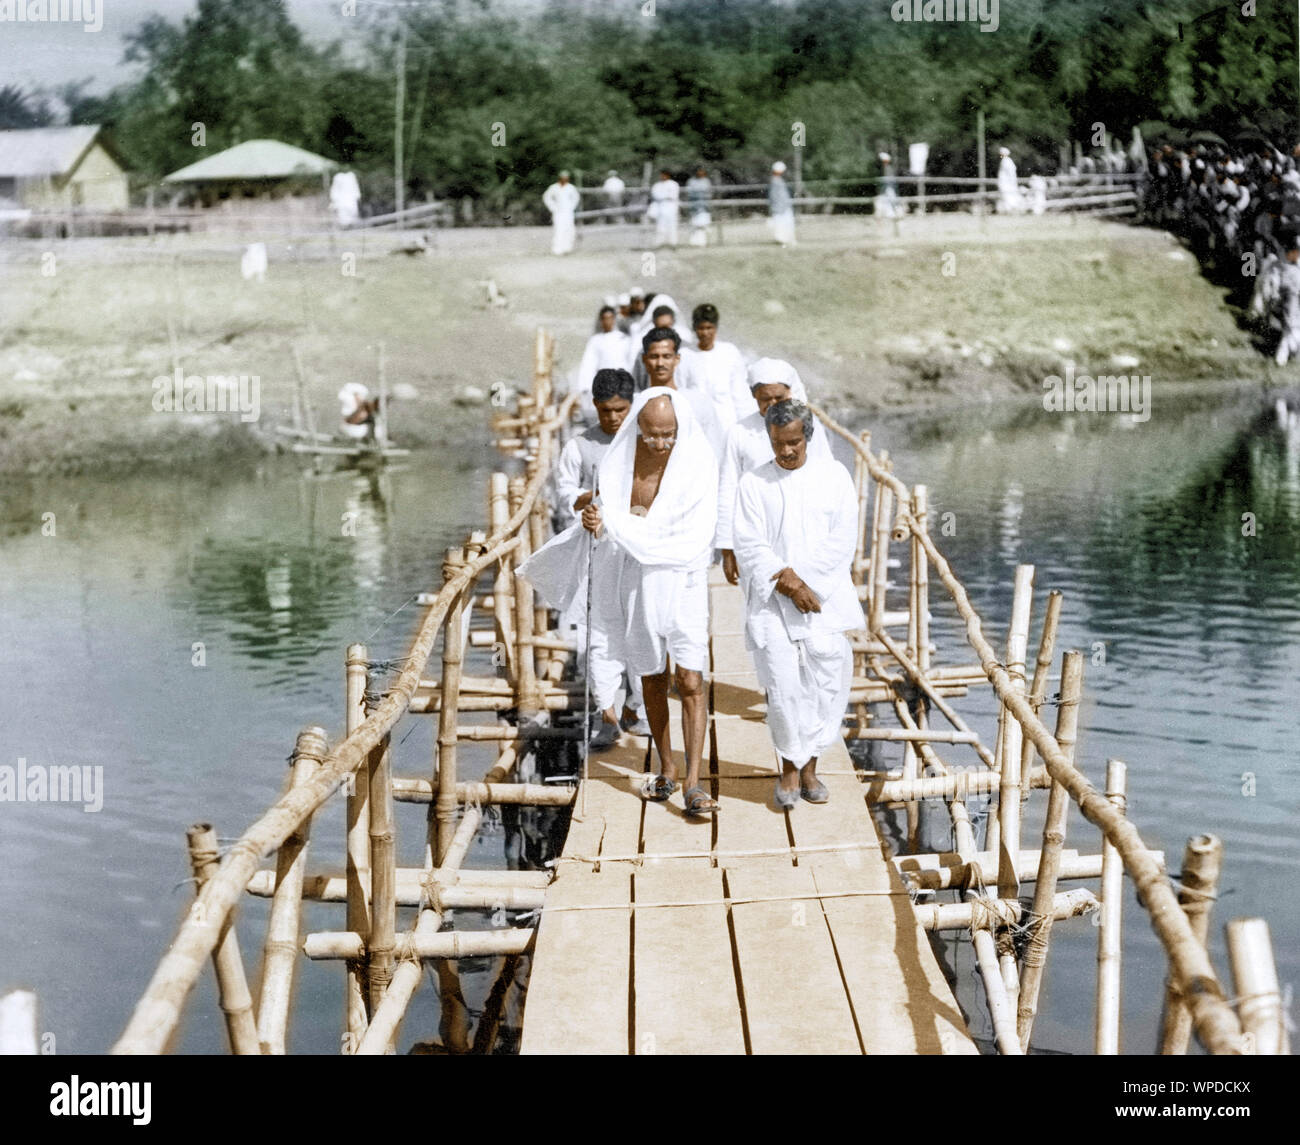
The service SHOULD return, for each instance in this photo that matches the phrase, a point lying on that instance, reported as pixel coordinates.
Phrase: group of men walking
(708, 461)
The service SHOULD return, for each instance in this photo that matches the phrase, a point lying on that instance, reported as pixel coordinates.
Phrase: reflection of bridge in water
(759, 931)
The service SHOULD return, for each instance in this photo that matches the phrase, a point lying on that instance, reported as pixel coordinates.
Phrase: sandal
(657, 788)
(698, 802)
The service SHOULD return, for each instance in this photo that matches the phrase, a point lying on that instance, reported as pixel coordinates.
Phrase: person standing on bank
(561, 198)
(794, 530)
(664, 198)
(781, 206)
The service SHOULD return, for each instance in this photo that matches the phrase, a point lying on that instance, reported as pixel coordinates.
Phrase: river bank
(951, 311)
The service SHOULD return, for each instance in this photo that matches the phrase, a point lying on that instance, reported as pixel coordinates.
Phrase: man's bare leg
(695, 720)
(655, 693)
(792, 778)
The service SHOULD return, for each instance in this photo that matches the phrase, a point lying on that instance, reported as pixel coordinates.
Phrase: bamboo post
(525, 673)
(921, 565)
(1049, 862)
(1009, 790)
(502, 586)
(286, 908)
(535, 527)
(1108, 932)
(880, 556)
(1259, 999)
(1042, 666)
(357, 870)
(381, 418)
(442, 812)
(860, 483)
(232, 986)
(383, 874)
(918, 634)
(1199, 882)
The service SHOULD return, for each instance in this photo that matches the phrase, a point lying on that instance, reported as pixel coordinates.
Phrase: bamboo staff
(1199, 881)
(1049, 865)
(442, 813)
(158, 1011)
(1259, 999)
(286, 909)
(383, 875)
(356, 992)
(232, 986)
(1009, 791)
(1108, 932)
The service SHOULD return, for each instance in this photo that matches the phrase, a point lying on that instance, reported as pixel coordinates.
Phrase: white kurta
(721, 374)
(747, 447)
(665, 196)
(562, 200)
(804, 519)
(1010, 201)
(660, 592)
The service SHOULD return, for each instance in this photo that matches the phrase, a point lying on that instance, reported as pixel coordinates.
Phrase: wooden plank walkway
(666, 935)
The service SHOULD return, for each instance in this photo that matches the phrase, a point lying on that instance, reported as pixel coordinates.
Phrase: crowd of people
(1239, 207)
(693, 460)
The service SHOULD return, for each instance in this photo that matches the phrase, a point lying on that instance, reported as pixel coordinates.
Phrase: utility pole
(979, 127)
(399, 113)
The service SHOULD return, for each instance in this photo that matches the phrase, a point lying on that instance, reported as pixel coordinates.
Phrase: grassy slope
(870, 320)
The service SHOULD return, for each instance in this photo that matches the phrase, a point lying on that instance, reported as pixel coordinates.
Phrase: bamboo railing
(383, 967)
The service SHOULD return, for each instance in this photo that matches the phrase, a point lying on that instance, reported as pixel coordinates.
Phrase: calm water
(1140, 526)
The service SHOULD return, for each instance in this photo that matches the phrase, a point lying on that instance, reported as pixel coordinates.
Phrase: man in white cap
(718, 370)
(561, 198)
(747, 446)
(1010, 201)
(609, 349)
(613, 187)
(657, 506)
(781, 206)
(887, 205)
(795, 528)
(664, 198)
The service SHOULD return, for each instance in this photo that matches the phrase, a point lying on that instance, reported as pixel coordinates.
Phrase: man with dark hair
(795, 527)
(718, 370)
(659, 362)
(607, 349)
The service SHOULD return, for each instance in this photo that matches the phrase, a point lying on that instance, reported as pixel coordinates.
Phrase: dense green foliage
(590, 86)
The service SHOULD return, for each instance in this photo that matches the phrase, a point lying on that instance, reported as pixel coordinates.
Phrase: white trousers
(807, 683)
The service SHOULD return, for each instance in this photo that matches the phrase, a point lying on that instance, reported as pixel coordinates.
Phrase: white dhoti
(666, 225)
(807, 683)
(562, 233)
(782, 225)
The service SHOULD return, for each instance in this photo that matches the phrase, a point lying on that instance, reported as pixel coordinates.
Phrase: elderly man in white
(795, 525)
(562, 199)
(747, 445)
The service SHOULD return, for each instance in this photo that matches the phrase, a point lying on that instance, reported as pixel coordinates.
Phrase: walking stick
(586, 690)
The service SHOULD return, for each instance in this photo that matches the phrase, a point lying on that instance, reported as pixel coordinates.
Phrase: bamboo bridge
(755, 932)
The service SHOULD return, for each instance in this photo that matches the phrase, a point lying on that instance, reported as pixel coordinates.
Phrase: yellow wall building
(58, 168)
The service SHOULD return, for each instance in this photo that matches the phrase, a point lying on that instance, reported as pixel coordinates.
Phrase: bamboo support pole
(1042, 670)
(1009, 791)
(391, 1009)
(327, 945)
(1108, 932)
(430, 704)
(503, 585)
(383, 875)
(988, 913)
(500, 771)
(442, 812)
(919, 679)
(995, 993)
(159, 1009)
(914, 735)
(232, 986)
(281, 957)
(503, 732)
(1202, 861)
(356, 996)
(1259, 998)
(413, 889)
(526, 693)
(1051, 858)
(860, 563)
(946, 870)
(944, 787)
(488, 794)
(880, 558)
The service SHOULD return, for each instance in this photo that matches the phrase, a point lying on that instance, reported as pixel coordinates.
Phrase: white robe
(747, 447)
(805, 519)
(1010, 201)
(663, 578)
(561, 199)
(664, 197)
(603, 352)
(720, 373)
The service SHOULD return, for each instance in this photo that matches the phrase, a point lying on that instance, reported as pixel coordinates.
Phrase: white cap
(885, 157)
(625, 300)
(610, 300)
(1004, 151)
(779, 167)
(637, 292)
